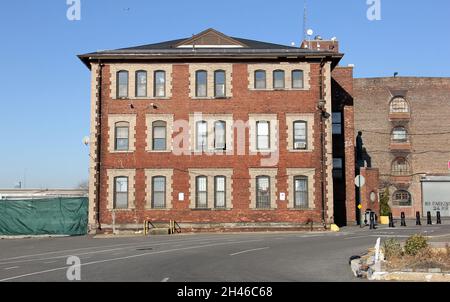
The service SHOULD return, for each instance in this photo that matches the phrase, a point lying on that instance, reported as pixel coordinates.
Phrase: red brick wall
(240, 105)
(372, 185)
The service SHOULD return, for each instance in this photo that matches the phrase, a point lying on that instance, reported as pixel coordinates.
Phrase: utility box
(436, 195)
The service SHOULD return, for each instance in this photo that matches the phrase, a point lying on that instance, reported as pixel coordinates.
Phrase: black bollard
(438, 214)
(391, 221)
(372, 221)
(403, 219)
(429, 222)
(418, 218)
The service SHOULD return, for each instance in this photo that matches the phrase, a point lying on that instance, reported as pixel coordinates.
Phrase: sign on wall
(436, 195)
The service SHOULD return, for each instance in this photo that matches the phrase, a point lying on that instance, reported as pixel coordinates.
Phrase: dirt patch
(429, 258)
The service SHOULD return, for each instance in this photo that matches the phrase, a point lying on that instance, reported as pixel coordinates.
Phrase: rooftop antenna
(305, 16)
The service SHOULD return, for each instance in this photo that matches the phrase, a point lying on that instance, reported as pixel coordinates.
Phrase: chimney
(321, 45)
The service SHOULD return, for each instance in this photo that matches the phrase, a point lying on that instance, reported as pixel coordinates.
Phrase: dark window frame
(154, 191)
(224, 191)
(117, 126)
(159, 124)
(402, 202)
(266, 204)
(224, 84)
(275, 79)
(118, 84)
(126, 193)
(396, 169)
(305, 193)
(155, 85)
(138, 72)
(197, 83)
(294, 135)
(265, 79)
(399, 104)
(302, 78)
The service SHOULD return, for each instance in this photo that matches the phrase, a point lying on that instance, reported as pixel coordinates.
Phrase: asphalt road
(252, 257)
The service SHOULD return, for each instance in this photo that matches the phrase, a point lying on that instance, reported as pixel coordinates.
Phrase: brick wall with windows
(403, 125)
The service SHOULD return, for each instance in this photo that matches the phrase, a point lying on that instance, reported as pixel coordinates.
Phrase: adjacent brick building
(221, 132)
(404, 121)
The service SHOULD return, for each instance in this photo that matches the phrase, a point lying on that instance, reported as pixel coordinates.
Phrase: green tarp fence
(52, 216)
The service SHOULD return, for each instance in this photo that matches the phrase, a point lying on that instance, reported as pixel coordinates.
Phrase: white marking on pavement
(165, 280)
(125, 258)
(10, 268)
(49, 262)
(248, 251)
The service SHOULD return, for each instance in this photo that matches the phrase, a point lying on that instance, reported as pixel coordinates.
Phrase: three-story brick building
(220, 132)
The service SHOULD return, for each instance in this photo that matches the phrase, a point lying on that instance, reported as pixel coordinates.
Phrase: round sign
(360, 181)
(373, 197)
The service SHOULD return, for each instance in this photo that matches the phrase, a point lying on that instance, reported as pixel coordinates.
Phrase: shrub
(385, 209)
(415, 244)
(392, 248)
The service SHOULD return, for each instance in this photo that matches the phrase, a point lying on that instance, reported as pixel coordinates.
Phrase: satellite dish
(292, 44)
(86, 140)
(334, 39)
(310, 32)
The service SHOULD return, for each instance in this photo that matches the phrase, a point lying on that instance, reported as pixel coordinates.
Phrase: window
(262, 135)
(122, 130)
(160, 84)
(278, 79)
(201, 78)
(337, 123)
(158, 192)
(141, 83)
(201, 185)
(159, 136)
(297, 79)
(122, 84)
(401, 198)
(300, 135)
(121, 193)
(219, 192)
(399, 105)
(263, 192)
(219, 84)
(399, 135)
(338, 168)
(202, 135)
(400, 167)
(260, 79)
(301, 192)
(220, 135)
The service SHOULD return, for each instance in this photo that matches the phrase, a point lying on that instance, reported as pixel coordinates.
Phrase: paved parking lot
(199, 257)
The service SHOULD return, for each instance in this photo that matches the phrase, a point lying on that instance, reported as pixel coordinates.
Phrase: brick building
(405, 129)
(214, 131)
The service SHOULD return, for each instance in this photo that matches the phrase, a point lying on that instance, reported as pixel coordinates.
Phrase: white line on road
(165, 280)
(10, 268)
(50, 262)
(127, 257)
(248, 251)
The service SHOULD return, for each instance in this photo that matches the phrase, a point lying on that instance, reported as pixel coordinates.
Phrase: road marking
(165, 280)
(248, 251)
(97, 247)
(100, 251)
(127, 257)
(49, 262)
(10, 268)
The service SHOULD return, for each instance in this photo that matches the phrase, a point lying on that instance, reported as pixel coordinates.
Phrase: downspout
(99, 143)
(322, 141)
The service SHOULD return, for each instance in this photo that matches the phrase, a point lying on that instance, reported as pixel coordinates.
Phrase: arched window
(122, 134)
(141, 83)
(219, 84)
(159, 135)
(278, 79)
(263, 192)
(202, 135)
(300, 135)
(201, 190)
(220, 192)
(158, 192)
(201, 80)
(301, 192)
(220, 135)
(399, 135)
(260, 79)
(401, 198)
(120, 192)
(297, 79)
(399, 105)
(159, 84)
(122, 84)
(400, 167)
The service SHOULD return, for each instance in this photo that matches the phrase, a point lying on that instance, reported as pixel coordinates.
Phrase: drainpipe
(323, 117)
(99, 143)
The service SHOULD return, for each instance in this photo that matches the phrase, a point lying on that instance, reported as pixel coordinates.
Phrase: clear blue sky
(45, 88)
